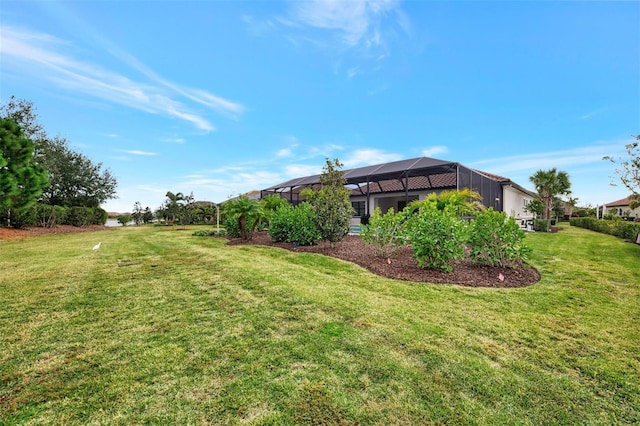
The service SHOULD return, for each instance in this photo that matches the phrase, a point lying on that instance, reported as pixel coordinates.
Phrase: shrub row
(619, 228)
(440, 238)
(48, 216)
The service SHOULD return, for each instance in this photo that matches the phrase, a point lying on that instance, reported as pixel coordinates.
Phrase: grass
(163, 327)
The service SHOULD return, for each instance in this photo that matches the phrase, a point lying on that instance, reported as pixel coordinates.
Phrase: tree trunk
(242, 224)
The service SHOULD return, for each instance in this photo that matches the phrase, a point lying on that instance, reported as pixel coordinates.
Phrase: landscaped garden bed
(402, 265)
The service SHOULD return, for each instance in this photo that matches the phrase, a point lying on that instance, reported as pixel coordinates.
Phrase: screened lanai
(404, 179)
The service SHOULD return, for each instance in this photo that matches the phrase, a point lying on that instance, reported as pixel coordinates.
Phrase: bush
(437, 238)
(294, 225)
(541, 225)
(231, 227)
(21, 219)
(619, 228)
(100, 216)
(384, 233)
(495, 239)
(124, 219)
(205, 233)
(80, 216)
(49, 216)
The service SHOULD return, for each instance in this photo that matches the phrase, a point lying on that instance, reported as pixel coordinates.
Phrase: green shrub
(620, 228)
(49, 216)
(384, 233)
(79, 216)
(19, 218)
(294, 225)
(100, 216)
(231, 227)
(124, 219)
(437, 238)
(541, 225)
(495, 239)
(205, 233)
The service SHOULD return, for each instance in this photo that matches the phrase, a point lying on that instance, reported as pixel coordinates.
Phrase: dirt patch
(402, 266)
(11, 233)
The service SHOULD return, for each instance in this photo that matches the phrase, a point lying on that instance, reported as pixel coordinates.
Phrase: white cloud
(138, 152)
(326, 150)
(41, 57)
(284, 152)
(356, 22)
(432, 151)
(366, 157)
(361, 31)
(546, 160)
(300, 170)
(173, 140)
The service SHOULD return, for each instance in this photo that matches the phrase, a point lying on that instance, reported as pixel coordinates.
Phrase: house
(396, 184)
(622, 208)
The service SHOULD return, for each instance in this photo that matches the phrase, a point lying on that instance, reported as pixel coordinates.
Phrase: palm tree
(549, 184)
(572, 202)
(173, 204)
(246, 211)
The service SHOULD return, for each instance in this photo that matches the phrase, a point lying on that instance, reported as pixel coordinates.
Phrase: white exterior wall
(514, 202)
(621, 211)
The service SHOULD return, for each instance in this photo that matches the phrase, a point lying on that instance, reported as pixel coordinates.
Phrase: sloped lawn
(162, 327)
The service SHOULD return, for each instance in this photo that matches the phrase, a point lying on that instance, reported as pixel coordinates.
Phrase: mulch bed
(402, 266)
(11, 233)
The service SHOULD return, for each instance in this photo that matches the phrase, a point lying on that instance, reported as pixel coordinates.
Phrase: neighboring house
(621, 208)
(396, 184)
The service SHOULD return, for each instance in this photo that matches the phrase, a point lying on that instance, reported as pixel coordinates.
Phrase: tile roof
(622, 202)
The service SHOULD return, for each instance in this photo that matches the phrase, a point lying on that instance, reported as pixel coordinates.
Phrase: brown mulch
(402, 266)
(11, 233)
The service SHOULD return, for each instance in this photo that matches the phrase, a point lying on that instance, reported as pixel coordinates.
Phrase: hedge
(619, 228)
(47, 216)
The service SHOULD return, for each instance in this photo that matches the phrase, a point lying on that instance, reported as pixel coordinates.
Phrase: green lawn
(162, 327)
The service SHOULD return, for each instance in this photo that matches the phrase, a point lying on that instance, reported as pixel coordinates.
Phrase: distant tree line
(36, 169)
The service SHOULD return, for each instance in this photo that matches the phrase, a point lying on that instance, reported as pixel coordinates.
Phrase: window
(358, 207)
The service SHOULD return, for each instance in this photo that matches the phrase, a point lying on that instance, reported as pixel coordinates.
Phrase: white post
(217, 219)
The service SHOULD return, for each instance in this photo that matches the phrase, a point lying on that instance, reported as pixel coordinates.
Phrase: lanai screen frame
(490, 189)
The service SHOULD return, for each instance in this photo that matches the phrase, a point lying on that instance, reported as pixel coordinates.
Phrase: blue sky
(219, 98)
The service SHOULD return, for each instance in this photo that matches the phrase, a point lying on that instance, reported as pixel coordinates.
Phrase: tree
(23, 112)
(628, 171)
(137, 214)
(185, 210)
(247, 212)
(21, 179)
(147, 215)
(536, 207)
(550, 184)
(270, 204)
(74, 180)
(124, 219)
(572, 202)
(172, 204)
(332, 206)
